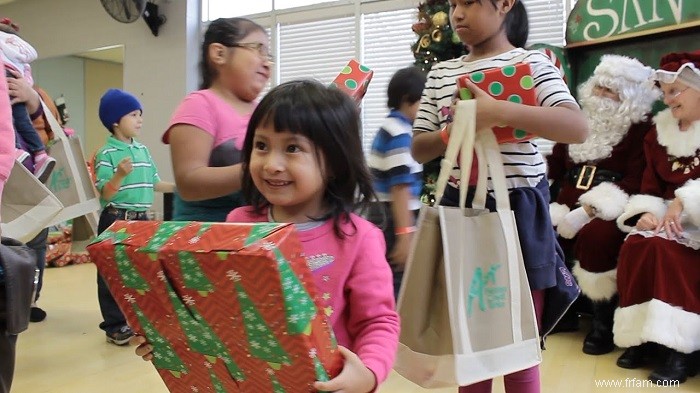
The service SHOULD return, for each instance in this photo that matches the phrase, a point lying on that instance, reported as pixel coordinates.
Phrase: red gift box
(354, 80)
(513, 83)
(227, 307)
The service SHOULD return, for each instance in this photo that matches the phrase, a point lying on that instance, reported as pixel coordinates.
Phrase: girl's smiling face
(287, 169)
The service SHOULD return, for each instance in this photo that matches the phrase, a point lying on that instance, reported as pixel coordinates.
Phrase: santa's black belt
(586, 176)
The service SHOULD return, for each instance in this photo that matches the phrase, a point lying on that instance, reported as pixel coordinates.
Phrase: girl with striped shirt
(494, 31)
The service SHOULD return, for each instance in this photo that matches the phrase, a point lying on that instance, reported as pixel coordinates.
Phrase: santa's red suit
(659, 278)
(596, 245)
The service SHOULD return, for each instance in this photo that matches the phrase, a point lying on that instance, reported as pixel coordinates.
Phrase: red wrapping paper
(354, 80)
(513, 83)
(227, 307)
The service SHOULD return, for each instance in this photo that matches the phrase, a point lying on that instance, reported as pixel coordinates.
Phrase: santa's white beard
(607, 127)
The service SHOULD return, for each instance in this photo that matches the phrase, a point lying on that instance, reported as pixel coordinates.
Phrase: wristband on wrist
(111, 186)
(404, 230)
(444, 135)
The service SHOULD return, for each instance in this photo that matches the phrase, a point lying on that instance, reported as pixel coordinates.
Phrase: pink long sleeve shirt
(354, 283)
(7, 134)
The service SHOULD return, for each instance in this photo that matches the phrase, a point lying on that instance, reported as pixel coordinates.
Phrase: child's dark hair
(225, 31)
(405, 86)
(516, 23)
(328, 117)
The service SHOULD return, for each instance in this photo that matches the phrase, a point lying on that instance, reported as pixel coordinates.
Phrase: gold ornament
(425, 41)
(436, 35)
(455, 38)
(440, 19)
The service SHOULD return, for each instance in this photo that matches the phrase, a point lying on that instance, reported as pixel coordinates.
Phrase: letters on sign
(597, 19)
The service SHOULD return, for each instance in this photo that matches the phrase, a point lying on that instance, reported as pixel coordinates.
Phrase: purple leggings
(523, 381)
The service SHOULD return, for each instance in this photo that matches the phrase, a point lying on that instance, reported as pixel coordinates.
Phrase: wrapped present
(513, 83)
(227, 307)
(354, 80)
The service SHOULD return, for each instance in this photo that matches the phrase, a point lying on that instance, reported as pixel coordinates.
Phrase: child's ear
(507, 5)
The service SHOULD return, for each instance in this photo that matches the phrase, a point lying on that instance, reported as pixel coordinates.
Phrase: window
(317, 50)
(213, 9)
(385, 52)
(285, 4)
(317, 42)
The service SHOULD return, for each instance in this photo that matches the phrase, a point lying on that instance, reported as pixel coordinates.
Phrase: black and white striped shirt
(524, 165)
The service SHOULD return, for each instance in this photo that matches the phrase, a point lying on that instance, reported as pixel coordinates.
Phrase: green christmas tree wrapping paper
(228, 307)
(512, 83)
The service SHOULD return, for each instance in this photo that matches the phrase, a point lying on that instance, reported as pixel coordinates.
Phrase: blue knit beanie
(114, 104)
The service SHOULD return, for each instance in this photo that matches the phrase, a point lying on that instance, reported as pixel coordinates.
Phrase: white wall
(158, 70)
(64, 75)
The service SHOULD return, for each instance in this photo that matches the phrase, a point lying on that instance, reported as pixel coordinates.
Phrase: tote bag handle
(464, 140)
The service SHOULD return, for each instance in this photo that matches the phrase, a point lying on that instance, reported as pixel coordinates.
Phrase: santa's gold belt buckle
(585, 177)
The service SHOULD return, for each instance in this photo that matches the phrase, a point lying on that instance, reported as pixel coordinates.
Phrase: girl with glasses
(206, 131)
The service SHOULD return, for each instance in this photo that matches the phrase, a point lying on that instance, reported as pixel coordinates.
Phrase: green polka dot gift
(512, 83)
(354, 79)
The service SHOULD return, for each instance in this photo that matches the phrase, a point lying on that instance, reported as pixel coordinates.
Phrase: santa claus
(595, 178)
(659, 262)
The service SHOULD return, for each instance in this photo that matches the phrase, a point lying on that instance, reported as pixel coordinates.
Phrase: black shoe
(635, 357)
(599, 340)
(36, 314)
(675, 369)
(120, 337)
(567, 323)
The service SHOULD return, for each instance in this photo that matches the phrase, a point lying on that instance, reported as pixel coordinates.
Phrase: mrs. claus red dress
(659, 278)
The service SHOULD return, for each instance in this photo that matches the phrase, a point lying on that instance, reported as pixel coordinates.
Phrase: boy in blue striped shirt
(397, 176)
(126, 178)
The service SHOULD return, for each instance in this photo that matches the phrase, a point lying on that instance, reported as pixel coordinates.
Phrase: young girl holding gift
(303, 163)
(493, 30)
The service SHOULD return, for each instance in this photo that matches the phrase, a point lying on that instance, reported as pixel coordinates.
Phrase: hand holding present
(354, 378)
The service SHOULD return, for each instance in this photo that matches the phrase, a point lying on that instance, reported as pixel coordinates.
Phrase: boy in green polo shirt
(126, 178)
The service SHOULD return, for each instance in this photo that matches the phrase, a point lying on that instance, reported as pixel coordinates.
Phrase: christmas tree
(259, 231)
(436, 39)
(164, 356)
(436, 42)
(200, 336)
(262, 341)
(130, 276)
(276, 385)
(321, 374)
(165, 231)
(218, 385)
(192, 274)
(298, 306)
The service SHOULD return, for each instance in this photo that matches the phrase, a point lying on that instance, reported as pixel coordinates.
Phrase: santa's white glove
(573, 222)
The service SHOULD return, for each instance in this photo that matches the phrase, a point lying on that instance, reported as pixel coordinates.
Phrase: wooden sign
(597, 21)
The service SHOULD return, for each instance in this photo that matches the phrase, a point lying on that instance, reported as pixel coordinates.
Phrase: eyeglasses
(674, 93)
(259, 47)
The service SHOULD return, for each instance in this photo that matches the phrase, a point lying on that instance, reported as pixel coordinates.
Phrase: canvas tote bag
(465, 305)
(70, 180)
(27, 205)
